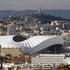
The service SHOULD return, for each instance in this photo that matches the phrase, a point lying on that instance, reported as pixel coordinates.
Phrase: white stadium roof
(32, 44)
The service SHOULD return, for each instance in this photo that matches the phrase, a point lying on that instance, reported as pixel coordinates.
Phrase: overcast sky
(34, 4)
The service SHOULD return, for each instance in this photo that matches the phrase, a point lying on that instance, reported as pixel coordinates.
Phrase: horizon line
(29, 9)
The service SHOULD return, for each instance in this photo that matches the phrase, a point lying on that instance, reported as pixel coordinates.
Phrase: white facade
(48, 59)
(54, 23)
(67, 60)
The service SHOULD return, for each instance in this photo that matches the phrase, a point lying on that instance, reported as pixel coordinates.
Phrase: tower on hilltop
(40, 11)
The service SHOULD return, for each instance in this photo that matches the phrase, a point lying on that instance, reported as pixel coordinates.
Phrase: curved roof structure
(7, 41)
(33, 44)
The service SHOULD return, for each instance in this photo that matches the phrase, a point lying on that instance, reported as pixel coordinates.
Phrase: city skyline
(34, 4)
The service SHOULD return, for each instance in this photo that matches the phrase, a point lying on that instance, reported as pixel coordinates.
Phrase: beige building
(11, 51)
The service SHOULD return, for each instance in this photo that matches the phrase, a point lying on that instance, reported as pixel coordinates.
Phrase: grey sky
(34, 4)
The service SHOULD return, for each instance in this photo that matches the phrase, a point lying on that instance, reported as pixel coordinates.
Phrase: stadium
(36, 44)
